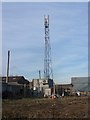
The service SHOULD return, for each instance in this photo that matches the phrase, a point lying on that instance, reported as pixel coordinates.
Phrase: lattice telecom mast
(47, 60)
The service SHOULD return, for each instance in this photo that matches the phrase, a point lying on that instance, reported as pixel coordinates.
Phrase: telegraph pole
(8, 59)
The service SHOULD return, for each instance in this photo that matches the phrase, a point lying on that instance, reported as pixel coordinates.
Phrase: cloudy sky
(23, 35)
(45, 0)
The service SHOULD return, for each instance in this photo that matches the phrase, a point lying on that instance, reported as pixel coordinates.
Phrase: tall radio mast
(47, 60)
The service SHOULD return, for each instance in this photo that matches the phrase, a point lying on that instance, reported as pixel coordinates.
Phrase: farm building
(40, 86)
(81, 84)
(17, 86)
(63, 89)
(47, 92)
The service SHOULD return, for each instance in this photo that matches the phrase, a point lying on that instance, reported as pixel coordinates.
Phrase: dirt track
(67, 107)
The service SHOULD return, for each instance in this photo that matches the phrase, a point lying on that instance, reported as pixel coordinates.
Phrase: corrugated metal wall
(80, 83)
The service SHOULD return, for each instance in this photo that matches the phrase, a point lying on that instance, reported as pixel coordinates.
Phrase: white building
(43, 86)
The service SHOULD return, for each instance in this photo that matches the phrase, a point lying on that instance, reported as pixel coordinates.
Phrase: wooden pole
(8, 59)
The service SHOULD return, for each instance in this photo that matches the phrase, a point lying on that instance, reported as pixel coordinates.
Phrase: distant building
(17, 86)
(63, 89)
(40, 86)
(15, 79)
(81, 84)
(47, 92)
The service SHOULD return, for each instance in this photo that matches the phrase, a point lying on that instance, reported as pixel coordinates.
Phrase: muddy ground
(66, 107)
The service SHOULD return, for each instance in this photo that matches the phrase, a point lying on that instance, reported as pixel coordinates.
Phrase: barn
(17, 86)
(81, 84)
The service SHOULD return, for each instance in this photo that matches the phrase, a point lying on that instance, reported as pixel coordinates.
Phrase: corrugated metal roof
(18, 79)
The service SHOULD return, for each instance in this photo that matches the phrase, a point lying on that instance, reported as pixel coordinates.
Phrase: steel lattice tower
(47, 60)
